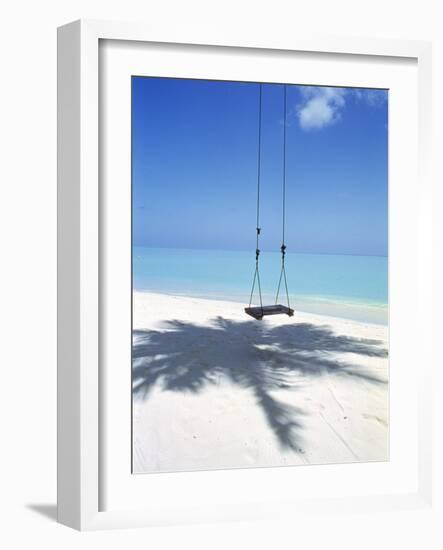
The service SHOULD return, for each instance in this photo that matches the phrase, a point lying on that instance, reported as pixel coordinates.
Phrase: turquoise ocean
(352, 287)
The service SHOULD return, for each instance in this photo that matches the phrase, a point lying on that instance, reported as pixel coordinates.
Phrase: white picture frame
(80, 369)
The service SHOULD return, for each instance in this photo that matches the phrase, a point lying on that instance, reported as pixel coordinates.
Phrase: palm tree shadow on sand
(186, 357)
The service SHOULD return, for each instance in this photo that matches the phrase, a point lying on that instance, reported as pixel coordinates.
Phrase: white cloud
(324, 106)
(320, 107)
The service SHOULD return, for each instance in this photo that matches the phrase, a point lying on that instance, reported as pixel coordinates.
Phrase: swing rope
(257, 250)
(258, 229)
(283, 245)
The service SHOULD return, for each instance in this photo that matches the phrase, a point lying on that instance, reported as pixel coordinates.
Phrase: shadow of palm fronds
(186, 357)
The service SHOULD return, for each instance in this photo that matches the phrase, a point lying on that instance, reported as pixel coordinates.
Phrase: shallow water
(354, 287)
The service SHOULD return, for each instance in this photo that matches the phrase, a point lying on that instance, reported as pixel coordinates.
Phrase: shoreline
(314, 307)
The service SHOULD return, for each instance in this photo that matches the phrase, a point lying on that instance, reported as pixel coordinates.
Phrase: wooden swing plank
(259, 312)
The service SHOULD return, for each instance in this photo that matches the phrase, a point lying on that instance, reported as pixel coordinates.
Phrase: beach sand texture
(213, 388)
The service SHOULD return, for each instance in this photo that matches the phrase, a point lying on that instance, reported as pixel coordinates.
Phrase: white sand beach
(213, 388)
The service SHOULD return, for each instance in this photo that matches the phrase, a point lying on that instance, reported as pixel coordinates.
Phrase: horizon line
(203, 249)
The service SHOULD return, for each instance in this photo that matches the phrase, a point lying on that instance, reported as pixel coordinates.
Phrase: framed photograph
(243, 256)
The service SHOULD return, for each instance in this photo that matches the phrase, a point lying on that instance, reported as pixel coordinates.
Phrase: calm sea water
(354, 287)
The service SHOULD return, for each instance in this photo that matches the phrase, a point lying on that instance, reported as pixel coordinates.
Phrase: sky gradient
(194, 166)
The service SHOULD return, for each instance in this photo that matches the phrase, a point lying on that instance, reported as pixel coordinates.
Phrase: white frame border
(78, 260)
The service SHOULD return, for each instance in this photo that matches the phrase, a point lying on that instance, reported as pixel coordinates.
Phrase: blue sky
(194, 163)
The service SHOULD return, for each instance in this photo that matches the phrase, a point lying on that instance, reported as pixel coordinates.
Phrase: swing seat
(259, 312)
